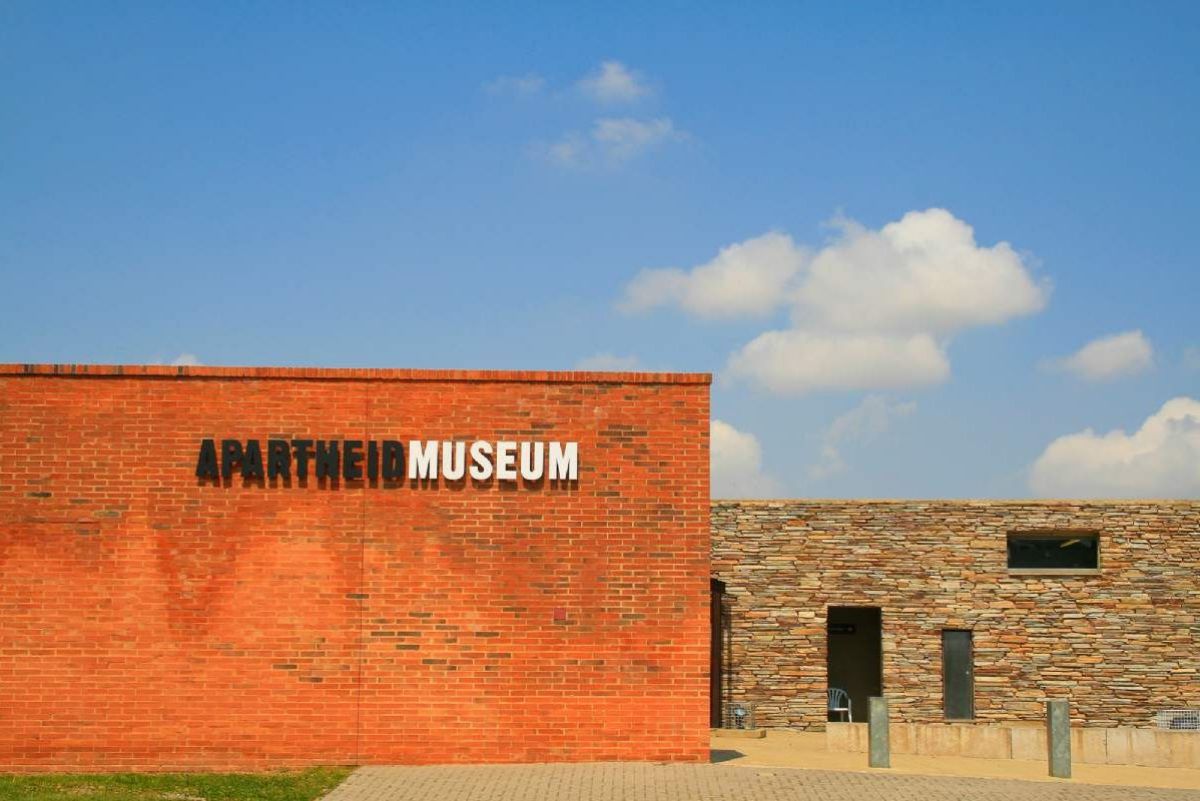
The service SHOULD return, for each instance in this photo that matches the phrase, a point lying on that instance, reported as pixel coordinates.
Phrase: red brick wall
(150, 620)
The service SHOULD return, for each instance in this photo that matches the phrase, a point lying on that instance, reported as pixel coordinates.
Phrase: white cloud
(922, 274)
(737, 464)
(186, 360)
(603, 362)
(862, 424)
(796, 362)
(623, 138)
(747, 278)
(612, 141)
(1159, 460)
(869, 310)
(1109, 358)
(613, 82)
(525, 85)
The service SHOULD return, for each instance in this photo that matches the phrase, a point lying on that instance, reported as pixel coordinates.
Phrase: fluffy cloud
(862, 424)
(869, 310)
(613, 82)
(922, 274)
(1161, 459)
(603, 362)
(1109, 358)
(796, 362)
(612, 141)
(737, 464)
(516, 85)
(745, 279)
(185, 360)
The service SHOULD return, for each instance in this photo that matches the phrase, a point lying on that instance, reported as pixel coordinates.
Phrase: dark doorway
(716, 643)
(855, 656)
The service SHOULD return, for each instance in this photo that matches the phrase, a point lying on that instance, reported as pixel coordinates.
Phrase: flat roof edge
(958, 501)
(348, 374)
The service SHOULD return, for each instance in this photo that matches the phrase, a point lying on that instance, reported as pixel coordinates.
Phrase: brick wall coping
(784, 502)
(349, 374)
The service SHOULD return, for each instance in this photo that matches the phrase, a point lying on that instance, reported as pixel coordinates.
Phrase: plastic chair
(839, 701)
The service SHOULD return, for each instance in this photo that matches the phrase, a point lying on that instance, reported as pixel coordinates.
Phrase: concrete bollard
(879, 748)
(1058, 738)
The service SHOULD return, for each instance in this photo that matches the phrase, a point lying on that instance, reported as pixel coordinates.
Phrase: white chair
(839, 701)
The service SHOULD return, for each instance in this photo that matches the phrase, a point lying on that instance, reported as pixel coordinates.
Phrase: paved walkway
(631, 781)
(788, 749)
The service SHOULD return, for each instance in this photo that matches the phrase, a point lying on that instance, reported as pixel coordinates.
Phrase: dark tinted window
(1080, 551)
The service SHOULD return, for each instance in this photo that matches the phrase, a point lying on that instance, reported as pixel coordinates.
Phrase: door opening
(854, 649)
(716, 643)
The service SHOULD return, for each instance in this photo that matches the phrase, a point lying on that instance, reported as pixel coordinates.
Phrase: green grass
(295, 785)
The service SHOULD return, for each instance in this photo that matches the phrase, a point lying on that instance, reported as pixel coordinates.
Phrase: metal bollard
(879, 748)
(1058, 738)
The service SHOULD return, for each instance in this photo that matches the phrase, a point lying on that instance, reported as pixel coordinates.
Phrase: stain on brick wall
(1120, 644)
(153, 620)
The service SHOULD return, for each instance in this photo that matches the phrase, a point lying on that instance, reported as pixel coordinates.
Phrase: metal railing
(1179, 719)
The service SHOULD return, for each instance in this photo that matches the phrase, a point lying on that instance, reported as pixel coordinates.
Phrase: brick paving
(632, 781)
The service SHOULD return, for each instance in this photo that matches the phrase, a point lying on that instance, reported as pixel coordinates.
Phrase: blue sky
(371, 185)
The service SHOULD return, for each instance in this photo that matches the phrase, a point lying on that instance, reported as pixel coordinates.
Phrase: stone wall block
(903, 737)
(986, 742)
(1093, 746)
(844, 737)
(1144, 745)
(1118, 746)
(939, 740)
(1028, 743)
(1179, 749)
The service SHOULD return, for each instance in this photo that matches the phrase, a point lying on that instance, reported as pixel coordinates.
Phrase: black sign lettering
(302, 451)
(327, 459)
(206, 464)
(352, 460)
(252, 461)
(393, 460)
(279, 459)
(231, 454)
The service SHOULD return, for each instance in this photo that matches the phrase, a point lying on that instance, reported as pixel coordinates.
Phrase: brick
(154, 621)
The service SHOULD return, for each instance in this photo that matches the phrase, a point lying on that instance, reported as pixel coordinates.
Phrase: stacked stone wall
(1120, 644)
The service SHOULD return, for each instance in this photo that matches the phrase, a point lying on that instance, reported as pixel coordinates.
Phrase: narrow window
(1054, 551)
(958, 675)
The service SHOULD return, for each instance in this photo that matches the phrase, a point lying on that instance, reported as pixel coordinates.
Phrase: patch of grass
(292, 785)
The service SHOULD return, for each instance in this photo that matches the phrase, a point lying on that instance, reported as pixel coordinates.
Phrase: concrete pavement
(807, 750)
(632, 781)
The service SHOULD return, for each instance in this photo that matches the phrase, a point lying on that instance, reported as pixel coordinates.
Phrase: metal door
(958, 675)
